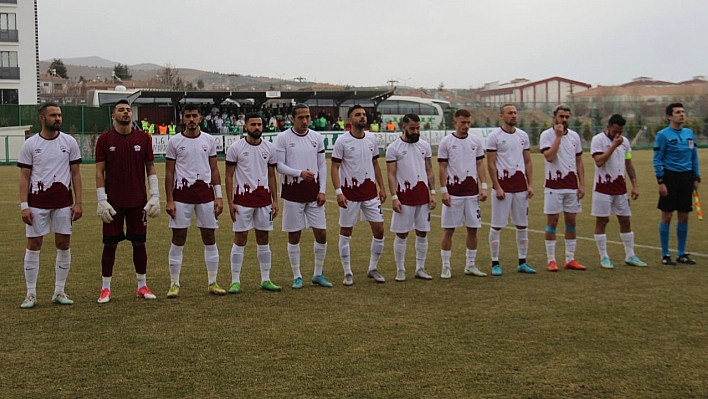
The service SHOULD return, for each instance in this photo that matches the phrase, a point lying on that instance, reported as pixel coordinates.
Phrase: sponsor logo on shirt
(245, 153)
(136, 147)
(38, 151)
(111, 148)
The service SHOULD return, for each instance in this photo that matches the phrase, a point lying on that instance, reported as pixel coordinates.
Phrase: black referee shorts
(680, 188)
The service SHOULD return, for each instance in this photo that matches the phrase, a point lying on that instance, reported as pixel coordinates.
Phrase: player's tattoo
(149, 163)
(431, 175)
(631, 172)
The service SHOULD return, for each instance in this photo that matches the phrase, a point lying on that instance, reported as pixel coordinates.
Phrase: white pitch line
(578, 237)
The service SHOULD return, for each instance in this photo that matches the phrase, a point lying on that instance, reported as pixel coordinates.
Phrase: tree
(441, 86)
(122, 72)
(58, 68)
(169, 77)
(200, 84)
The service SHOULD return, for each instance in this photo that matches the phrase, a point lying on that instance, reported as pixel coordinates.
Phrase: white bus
(432, 112)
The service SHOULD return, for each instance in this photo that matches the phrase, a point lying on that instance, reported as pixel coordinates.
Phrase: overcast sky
(462, 43)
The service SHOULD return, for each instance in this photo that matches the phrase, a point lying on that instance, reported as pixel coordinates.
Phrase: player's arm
(229, 182)
(334, 174)
(100, 174)
(273, 187)
(169, 187)
(696, 168)
(481, 179)
(379, 180)
(493, 174)
(431, 181)
(529, 169)
(216, 183)
(391, 175)
(581, 175)
(77, 210)
(632, 175)
(287, 170)
(551, 152)
(24, 195)
(442, 174)
(322, 176)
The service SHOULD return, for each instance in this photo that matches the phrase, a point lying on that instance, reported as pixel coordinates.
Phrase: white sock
(421, 252)
(551, 250)
(344, 254)
(175, 262)
(628, 241)
(264, 255)
(62, 265)
(601, 242)
(522, 242)
(31, 271)
(236, 262)
(494, 243)
(106, 282)
(470, 258)
(294, 255)
(211, 258)
(320, 253)
(570, 250)
(377, 246)
(141, 280)
(445, 256)
(399, 253)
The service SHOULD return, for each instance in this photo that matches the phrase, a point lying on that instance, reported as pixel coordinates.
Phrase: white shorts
(204, 213)
(370, 211)
(60, 220)
(260, 218)
(555, 202)
(411, 217)
(604, 205)
(462, 211)
(302, 215)
(516, 204)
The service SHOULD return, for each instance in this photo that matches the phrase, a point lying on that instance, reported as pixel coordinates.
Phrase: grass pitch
(631, 332)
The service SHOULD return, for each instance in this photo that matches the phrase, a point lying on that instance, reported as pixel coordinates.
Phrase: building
(647, 90)
(19, 52)
(527, 94)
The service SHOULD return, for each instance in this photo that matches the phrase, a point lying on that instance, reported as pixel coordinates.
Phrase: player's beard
(54, 128)
(254, 135)
(361, 124)
(412, 138)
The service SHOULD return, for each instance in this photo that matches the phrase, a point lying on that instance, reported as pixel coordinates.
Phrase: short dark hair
(462, 112)
(252, 115)
(353, 108)
(46, 105)
(297, 107)
(191, 107)
(501, 110)
(560, 107)
(119, 103)
(670, 108)
(407, 118)
(616, 119)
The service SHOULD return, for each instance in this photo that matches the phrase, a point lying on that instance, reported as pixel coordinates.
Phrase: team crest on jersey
(62, 148)
(314, 143)
(264, 154)
(523, 142)
(136, 147)
(205, 147)
(371, 147)
(111, 148)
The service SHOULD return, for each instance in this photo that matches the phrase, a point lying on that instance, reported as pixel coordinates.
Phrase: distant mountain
(92, 61)
(145, 67)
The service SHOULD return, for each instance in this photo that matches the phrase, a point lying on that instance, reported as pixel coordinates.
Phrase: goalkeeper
(123, 158)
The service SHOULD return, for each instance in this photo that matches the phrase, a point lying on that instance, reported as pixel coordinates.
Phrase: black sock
(522, 261)
(495, 263)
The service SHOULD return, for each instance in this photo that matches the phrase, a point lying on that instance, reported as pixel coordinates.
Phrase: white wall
(26, 49)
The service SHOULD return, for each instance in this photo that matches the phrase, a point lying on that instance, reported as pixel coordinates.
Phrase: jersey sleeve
(527, 142)
(627, 149)
(171, 152)
(25, 158)
(272, 158)
(596, 146)
(320, 144)
(391, 153)
(659, 149)
(212, 147)
(74, 152)
(546, 140)
(338, 151)
(480, 150)
(100, 152)
(579, 142)
(442, 151)
(428, 150)
(231, 154)
(492, 142)
(149, 155)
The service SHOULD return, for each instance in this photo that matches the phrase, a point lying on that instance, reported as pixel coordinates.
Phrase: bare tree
(169, 77)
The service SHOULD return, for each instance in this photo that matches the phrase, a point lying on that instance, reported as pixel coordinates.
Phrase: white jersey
(461, 155)
(609, 178)
(356, 169)
(411, 177)
(561, 173)
(50, 161)
(251, 175)
(511, 168)
(301, 153)
(192, 179)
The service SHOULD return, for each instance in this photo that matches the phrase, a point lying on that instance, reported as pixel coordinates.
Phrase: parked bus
(433, 113)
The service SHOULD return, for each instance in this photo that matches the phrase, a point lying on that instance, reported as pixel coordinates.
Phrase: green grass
(631, 332)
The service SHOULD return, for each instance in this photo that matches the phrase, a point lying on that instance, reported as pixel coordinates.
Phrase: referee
(678, 174)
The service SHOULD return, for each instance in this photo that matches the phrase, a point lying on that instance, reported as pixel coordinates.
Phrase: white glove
(105, 210)
(153, 207)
